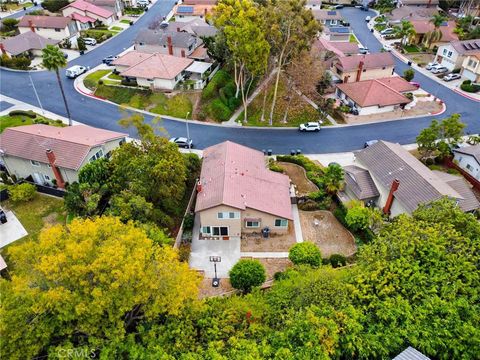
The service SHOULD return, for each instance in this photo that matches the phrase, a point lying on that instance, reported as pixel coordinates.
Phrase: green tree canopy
(247, 274)
(305, 253)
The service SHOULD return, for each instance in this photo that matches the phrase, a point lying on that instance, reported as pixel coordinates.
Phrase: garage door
(470, 75)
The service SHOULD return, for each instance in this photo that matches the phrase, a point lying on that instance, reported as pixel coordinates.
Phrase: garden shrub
(119, 95)
(20, 63)
(247, 274)
(219, 111)
(188, 222)
(337, 260)
(184, 252)
(429, 162)
(54, 5)
(22, 192)
(272, 165)
(234, 103)
(469, 87)
(10, 24)
(453, 172)
(126, 82)
(306, 253)
(309, 205)
(28, 113)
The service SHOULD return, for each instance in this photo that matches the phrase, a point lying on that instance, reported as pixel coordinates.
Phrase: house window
(333, 22)
(34, 163)
(47, 178)
(58, 30)
(444, 51)
(219, 230)
(206, 230)
(228, 215)
(252, 224)
(449, 54)
(97, 155)
(472, 63)
(281, 222)
(469, 167)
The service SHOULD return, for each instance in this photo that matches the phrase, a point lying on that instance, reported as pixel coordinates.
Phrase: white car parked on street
(310, 126)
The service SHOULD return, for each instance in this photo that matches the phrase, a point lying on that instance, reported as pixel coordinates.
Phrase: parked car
(364, 8)
(182, 142)
(163, 24)
(387, 47)
(451, 77)
(387, 31)
(368, 18)
(417, 85)
(439, 70)
(90, 41)
(3, 216)
(344, 23)
(431, 65)
(109, 59)
(143, 3)
(369, 143)
(74, 71)
(310, 126)
(363, 50)
(338, 7)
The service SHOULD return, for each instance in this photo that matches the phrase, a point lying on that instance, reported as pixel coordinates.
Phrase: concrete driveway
(12, 230)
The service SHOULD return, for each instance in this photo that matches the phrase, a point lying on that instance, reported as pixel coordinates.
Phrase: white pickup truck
(74, 71)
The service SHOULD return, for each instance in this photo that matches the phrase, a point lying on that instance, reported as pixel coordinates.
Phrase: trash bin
(82, 52)
(266, 232)
(292, 152)
(299, 152)
(131, 22)
(409, 63)
(269, 152)
(371, 30)
(264, 152)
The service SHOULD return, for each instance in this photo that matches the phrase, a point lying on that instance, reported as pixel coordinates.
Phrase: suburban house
(314, 4)
(50, 27)
(411, 353)
(453, 54)
(337, 33)
(423, 27)
(363, 67)
(191, 12)
(28, 44)
(236, 195)
(200, 2)
(471, 68)
(198, 27)
(389, 177)
(427, 3)
(375, 96)
(114, 6)
(328, 49)
(328, 17)
(176, 43)
(54, 155)
(468, 159)
(161, 71)
(410, 13)
(85, 12)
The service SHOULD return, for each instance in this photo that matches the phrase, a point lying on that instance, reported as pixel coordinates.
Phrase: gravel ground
(298, 176)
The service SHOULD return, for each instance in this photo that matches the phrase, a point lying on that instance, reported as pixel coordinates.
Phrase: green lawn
(125, 21)
(114, 76)
(20, 120)
(411, 48)
(13, 6)
(91, 80)
(116, 28)
(35, 214)
(353, 39)
(176, 106)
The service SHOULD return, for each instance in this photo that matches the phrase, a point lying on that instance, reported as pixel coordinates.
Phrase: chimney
(182, 53)
(58, 176)
(359, 71)
(30, 23)
(388, 204)
(429, 3)
(205, 12)
(345, 79)
(170, 45)
(2, 48)
(178, 29)
(199, 186)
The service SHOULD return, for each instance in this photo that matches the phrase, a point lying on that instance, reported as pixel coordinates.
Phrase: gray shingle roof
(467, 47)
(158, 37)
(460, 185)
(418, 184)
(411, 354)
(360, 182)
(26, 42)
(473, 150)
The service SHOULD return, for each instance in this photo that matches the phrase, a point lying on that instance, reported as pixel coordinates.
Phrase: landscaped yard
(298, 177)
(353, 39)
(91, 80)
(16, 6)
(322, 228)
(275, 243)
(124, 21)
(411, 48)
(20, 120)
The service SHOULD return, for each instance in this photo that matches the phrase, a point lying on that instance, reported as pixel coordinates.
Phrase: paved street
(337, 139)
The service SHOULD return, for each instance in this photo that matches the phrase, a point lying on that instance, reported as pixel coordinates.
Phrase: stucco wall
(368, 74)
(266, 220)
(374, 109)
(177, 51)
(464, 160)
(452, 62)
(187, 18)
(48, 33)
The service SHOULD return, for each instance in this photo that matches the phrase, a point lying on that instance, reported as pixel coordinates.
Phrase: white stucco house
(453, 54)
(468, 158)
(50, 27)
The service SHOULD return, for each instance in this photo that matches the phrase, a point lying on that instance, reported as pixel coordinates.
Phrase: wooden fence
(178, 239)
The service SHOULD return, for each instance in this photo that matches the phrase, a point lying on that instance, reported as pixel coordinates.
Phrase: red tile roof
(158, 66)
(131, 58)
(70, 144)
(83, 19)
(94, 9)
(41, 21)
(380, 92)
(340, 48)
(424, 26)
(370, 61)
(237, 176)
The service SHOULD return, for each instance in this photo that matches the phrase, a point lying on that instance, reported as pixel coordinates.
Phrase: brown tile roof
(327, 15)
(398, 83)
(360, 182)
(158, 66)
(424, 26)
(375, 92)
(420, 2)
(199, 53)
(88, 7)
(418, 184)
(40, 21)
(192, 10)
(412, 13)
(460, 185)
(237, 176)
(200, 2)
(370, 61)
(467, 47)
(25, 42)
(340, 48)
(70, 144)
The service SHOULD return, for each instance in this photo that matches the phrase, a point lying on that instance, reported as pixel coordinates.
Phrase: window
(444, 51)
(47, 178)
(472, 63)
(281, 222)
(57, 30)
(97, 155)
(220, 230)
(252, 224)
(333, 22)
(228, 215)
(469, 167)
(206, 230)
(34, 163)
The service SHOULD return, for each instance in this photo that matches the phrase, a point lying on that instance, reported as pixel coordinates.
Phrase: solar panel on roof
(340, 30)
(331, 13)
(185, 9)
(465, 46)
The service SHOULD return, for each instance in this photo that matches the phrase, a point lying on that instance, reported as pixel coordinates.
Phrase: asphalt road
(337, 139)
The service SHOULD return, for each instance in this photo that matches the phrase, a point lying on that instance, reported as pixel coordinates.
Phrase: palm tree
(53, 60)
(333, 178)
(435, 35)
(407, 32)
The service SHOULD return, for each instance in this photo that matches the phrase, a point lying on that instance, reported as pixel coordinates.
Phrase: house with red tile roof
(363, 67)
(422, 27)
(50, 27)
(83, 11)
(48, 153)
(237, 193)
(375, 96)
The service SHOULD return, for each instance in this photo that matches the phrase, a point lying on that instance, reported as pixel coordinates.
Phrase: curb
(465, 95)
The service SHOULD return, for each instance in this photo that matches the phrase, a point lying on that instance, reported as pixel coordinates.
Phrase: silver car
(451, 77)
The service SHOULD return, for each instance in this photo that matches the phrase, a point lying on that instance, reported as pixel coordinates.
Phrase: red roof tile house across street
(86, 9)
(424, 26)
(39, 150)
(374, 96)
(50, 27)
(363, 67)
(235, 180)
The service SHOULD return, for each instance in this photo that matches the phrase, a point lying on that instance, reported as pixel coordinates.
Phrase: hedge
(20, 63)
(471, 88)
(219, 111)
(28, 113)
(219, 80)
